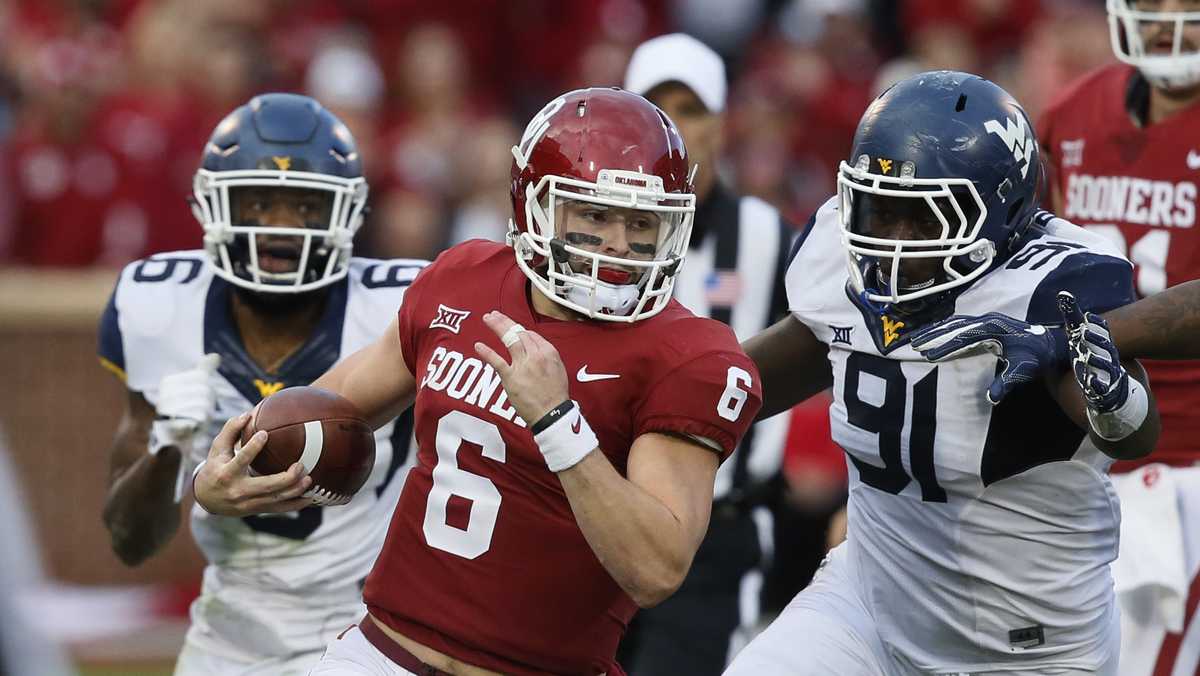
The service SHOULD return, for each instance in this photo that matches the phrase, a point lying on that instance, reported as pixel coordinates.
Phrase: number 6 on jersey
(737, 390)
(449, 479)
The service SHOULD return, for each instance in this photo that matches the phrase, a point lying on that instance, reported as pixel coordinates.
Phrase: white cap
(344, 75)
(678, 58)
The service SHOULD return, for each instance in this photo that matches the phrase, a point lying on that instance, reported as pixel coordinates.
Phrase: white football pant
(826, 629)
(351, 654)
(240, 630)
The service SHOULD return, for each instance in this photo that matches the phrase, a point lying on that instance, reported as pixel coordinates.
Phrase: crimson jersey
(484, 560)
(1136, 186)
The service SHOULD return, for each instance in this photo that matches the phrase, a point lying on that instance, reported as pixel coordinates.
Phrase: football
(321, 430)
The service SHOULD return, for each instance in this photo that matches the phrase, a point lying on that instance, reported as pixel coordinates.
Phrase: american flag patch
(723, 287)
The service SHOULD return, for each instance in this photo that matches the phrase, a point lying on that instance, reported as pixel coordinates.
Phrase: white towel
(1150, 564)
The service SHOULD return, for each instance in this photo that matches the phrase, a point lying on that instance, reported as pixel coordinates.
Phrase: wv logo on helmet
(1016, 136)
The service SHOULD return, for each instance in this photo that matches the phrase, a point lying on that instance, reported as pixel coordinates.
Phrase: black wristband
(554, 414)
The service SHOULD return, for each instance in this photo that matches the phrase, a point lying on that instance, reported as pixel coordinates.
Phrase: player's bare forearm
(1162, 326)
(646, 529)
(140, 512)
(792, 364)
(375, 378)
(1136, 445)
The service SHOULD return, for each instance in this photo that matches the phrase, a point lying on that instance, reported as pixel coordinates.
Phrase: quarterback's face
(612, 231)
(280, 208)
(1159, 36)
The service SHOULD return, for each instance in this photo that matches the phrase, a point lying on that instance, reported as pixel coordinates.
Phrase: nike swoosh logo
(1193, 160)
(584, 377)
(578, 425)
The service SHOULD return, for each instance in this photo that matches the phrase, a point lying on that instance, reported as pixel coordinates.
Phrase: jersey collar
(303, 366)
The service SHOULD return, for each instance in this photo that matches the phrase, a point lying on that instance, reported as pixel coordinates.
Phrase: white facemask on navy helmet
(952, 156)
(280, 142)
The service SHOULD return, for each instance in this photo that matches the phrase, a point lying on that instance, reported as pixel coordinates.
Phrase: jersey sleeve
(1099, 283)
(111, 345)
(408, 314)
(715, 396)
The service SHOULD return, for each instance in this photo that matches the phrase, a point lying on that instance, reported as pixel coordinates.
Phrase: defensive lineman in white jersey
(200, 336)
(980, 535)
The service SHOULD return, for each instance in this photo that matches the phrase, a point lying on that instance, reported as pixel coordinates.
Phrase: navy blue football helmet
(280, 141)
(956, 155)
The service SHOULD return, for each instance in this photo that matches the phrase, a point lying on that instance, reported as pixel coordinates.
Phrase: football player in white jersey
(1120, 142)
(980, 535)
(273, 300)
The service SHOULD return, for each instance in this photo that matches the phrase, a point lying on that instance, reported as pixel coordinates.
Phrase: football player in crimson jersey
(570, 415)
(1122, 166)
(1122, 146)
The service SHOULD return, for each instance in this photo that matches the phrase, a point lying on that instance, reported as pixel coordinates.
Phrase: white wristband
(1124, 421)
(567, 441)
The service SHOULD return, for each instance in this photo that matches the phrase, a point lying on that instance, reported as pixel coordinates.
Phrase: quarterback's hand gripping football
(536, 384)
(185, 403)
(1026, 350)
(223, 483)
(1116, 403)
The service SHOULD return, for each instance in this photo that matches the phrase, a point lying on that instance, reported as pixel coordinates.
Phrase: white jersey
(979, 535)
(169, 310)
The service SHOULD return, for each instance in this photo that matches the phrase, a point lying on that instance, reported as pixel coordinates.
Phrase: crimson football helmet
(601, 149)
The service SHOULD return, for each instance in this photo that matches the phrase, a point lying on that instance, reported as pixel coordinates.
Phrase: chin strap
(613, 299)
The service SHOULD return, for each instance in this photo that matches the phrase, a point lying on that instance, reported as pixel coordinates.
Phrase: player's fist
(185, 402)
(535, 380)
(1094, 357)
(223, 483)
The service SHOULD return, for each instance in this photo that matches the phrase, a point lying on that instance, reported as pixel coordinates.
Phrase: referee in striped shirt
(734, 273)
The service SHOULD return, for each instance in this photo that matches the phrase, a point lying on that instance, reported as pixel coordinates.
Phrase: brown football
(323, 431)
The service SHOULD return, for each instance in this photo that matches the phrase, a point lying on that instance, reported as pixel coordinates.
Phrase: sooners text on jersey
(1136, 186)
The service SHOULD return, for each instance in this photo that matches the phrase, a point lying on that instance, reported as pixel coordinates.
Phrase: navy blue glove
(1026, 350)
(1094, 358)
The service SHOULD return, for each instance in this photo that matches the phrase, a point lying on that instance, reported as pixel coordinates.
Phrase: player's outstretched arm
(644, 529)
(376, 378)
(140, 509)
(792, 363)
(1027, 352)
(1107, 396)
(1162, 326)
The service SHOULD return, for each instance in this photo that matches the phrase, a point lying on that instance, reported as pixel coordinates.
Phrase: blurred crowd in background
(105, 104)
